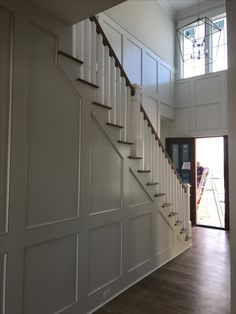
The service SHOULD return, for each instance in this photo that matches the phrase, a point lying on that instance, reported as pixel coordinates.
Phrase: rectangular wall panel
(53, 137)
(104, 256)
(133, 61)
(3, 261)
(207, 89)
(51, 276)
(6, 37)
(139, 241)
(207, 116)
(115, 39)
(164, 84)
(149, 80)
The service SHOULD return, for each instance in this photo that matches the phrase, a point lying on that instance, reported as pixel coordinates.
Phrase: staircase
(118, 110)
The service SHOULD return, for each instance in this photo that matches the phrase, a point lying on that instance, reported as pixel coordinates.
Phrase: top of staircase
(74, 11)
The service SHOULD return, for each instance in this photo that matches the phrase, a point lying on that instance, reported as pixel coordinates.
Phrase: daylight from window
(204, 47)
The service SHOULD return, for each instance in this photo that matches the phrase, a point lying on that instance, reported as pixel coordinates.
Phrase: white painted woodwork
(54, 287)
(137, 195)
(53, 146)
(93, 53)
(144, 67)
(83, 224)
(164, 235)
(139, 244)
(100, 72)
(79, 33)
(201, 106)
(6, 50)
(105, 163)
(104, 262)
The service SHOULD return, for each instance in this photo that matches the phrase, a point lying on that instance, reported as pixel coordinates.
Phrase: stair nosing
(70, 57)
(172, 214)
(101, 105)
(152, 183)
(125, 142)
(115, 125)
(88, 83)
(144, 171)
(166, 205)
(135, 157)
(159, 194)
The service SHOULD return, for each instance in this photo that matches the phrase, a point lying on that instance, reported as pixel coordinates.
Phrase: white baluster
(112, 112)
(129, 114)
(187, 200)
(183, 207)
(154, 159)
(93, 53)
(135, 134)
(143, 141)
(80, 46)
(146, 145)
(164, 176)
(87, 50)
(100, 72)
(107, 77)
(124, 110)
(149, 149)
(160, 169)
(118, 96)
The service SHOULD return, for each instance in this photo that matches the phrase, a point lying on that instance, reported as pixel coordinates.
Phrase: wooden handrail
(112, 53)
(128, 84)
(161, 145)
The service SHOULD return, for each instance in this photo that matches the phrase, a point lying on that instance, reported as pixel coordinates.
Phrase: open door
(182, 153)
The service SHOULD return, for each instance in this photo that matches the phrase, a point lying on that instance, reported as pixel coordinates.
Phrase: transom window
(206, 54)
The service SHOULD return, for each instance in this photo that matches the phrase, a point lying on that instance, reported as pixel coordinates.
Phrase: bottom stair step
(188, 238)
(172, 214)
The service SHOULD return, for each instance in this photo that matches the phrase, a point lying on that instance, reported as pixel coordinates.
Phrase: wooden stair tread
(135, 157)
(183, 230)
(62, 53)
(87, 83)
(178, 222)
(166, 205)
(159, 194)
(172, 214)
(152, 183)
(188, 238)
(101, 105)
(144, 171)
(115, 125)
(125, 142)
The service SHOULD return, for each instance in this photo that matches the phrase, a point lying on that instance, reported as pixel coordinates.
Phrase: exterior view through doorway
(211, 196)
(203, 163)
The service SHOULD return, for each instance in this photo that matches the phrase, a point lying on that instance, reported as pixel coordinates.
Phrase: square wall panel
(104, 255)
(51, 276)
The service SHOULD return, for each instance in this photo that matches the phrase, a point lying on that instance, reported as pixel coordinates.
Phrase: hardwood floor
(196, 282)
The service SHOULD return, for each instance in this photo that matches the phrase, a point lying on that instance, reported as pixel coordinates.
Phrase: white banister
(100, 72)
(87, 50)
(107, 77)
(112, 113)
(124, 110)
(118, 97)
(136, 122)
(187, 201)
(80, 46)
(93, 53)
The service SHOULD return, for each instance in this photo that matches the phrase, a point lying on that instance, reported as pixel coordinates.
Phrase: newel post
(135, 123)
(189, 223)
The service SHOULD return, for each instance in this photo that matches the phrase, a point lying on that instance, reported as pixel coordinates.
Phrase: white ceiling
(179, 7)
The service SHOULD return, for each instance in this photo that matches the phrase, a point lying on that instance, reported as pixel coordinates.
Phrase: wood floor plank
(196, 282)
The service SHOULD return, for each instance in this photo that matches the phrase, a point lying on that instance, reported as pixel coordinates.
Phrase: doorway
(211, 186)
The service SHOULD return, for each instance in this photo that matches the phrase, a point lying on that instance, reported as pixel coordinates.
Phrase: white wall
(201, 106)
(148, 22)
(231, 15)
(145, 68)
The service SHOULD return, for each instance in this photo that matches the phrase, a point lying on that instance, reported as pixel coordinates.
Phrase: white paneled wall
(201, 106)
(143, 67)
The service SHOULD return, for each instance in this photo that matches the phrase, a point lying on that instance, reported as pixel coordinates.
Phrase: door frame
(191, 141)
